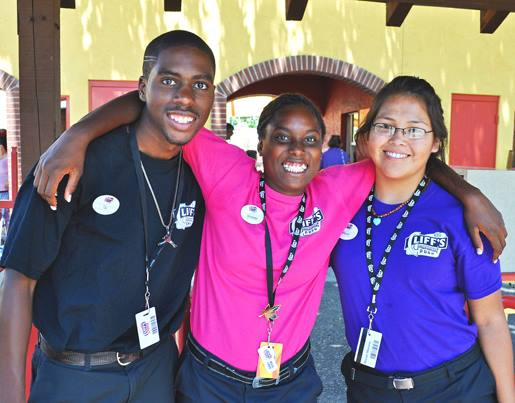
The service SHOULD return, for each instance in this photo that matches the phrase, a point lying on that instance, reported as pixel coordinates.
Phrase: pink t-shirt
(230, 291)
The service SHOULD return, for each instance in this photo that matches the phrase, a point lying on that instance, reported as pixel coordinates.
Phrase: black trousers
(196, 383)
(472, 384)
(149, 379)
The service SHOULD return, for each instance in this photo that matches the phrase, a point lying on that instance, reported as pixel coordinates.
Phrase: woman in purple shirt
(406, 268)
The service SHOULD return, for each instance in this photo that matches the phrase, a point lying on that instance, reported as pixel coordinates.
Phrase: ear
(436, 145)
(142, 88)
(260, 147)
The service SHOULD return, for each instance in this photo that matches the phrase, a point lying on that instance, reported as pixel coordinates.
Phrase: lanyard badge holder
(269, 363)
(146, 320)
(369, 340)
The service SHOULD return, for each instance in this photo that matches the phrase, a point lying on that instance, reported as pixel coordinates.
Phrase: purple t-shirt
(334, 156)
(432, 269)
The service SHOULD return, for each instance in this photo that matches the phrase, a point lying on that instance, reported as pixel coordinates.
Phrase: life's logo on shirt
(430, 245)
(185, 215)
(310, 224)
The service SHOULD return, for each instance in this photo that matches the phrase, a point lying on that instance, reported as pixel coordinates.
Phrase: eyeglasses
(412, 133)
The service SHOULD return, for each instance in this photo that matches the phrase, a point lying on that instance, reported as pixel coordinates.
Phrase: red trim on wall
(114, 84)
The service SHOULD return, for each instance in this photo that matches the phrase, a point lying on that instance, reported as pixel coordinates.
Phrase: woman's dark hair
(334, 141)
(284, 101)
(414, 87)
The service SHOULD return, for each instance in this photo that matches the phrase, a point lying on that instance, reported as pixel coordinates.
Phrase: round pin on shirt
(106, 205)
(349, 232)
(252, 214)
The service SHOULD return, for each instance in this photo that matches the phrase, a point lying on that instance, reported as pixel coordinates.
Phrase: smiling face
(178, 94)
(398, 158)
(291, 150)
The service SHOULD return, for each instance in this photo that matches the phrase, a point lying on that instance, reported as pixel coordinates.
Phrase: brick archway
(309, 64)
(11, 86)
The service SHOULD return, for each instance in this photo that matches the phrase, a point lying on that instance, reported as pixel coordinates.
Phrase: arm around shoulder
(356, 181)
(480, 214)
(15, 323)
(212, 159)
(66, 155)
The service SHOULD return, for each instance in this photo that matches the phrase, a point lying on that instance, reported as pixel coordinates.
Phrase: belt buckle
(403, 383)
(262, 382)
(119, 358)
(256, 383)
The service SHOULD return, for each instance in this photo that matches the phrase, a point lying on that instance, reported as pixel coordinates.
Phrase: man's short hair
(174, 39)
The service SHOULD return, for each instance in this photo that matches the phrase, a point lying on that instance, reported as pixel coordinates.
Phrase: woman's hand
(482, 216)
(64, 157)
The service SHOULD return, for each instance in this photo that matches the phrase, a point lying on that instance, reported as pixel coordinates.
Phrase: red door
(473, 136)
(102, 91)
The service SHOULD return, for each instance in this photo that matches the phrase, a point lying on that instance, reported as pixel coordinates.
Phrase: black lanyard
(268, 245)
(136, 159)
(376, 278)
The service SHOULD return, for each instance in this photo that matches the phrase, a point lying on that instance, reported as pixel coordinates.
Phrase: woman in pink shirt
(264, 255)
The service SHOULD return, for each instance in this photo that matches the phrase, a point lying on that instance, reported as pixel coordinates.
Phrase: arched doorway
(322, 79)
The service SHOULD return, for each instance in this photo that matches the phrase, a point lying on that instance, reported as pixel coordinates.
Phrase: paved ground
(329, 344)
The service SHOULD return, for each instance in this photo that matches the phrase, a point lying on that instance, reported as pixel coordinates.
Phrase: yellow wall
(8, 38)
(105, 40)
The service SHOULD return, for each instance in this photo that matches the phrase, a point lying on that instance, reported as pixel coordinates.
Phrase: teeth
(181, 119)
(395, 155)
(295, 168)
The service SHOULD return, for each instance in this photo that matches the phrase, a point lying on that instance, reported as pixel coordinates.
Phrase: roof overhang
(493, 12)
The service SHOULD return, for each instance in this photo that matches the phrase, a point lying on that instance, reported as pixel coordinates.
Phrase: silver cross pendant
(167, 239)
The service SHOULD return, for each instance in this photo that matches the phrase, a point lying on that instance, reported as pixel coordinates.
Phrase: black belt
(249, 378)
(403, 382)
(92, 359)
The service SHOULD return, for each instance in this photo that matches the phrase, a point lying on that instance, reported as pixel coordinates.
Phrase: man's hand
(482, 216)
(64, 157)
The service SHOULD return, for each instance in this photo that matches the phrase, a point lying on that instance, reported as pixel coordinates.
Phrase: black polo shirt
(89, 255)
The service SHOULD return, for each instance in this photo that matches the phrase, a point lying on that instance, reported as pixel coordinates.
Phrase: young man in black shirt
(105, 277)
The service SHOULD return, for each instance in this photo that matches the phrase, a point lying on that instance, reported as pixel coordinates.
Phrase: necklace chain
(374, 214)
(389, 212)
(172, 212)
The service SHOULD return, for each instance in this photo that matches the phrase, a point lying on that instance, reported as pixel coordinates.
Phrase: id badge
(269, 363)
(148, 330)
(368, 347)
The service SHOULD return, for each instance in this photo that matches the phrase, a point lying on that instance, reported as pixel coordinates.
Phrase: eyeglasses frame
(392, 130)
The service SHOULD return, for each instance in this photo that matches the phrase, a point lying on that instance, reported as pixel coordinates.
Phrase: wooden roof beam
(295, 9)
(396, 12)
(40, 75)
(67, 3)
(173, 5)
(491, 19)
(497, 5)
